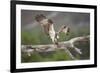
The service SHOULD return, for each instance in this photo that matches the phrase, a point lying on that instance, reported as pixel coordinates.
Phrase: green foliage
(61, 56)
(28, 38)
(33, 58)
(42, 57)
(36, 36)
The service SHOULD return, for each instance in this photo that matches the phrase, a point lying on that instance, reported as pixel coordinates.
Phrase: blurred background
(32, 33)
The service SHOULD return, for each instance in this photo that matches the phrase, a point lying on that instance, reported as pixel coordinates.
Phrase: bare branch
(29, 49)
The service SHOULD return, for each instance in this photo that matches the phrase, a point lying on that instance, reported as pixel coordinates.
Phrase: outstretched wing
(64, 29)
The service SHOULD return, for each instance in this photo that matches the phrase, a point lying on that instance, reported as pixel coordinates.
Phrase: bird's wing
(64, 29)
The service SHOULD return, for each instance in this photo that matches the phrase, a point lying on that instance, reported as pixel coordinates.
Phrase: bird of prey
(48, 27)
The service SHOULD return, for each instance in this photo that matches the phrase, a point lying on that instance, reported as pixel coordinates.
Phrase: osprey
(48, 27)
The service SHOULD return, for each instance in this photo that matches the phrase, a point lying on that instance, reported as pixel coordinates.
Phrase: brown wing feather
(64, 29)
(50, 21)
(47, 27)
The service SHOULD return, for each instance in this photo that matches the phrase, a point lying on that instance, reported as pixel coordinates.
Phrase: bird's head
(40, 17)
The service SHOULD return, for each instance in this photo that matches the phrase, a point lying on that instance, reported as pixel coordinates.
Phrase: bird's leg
(56, 42)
